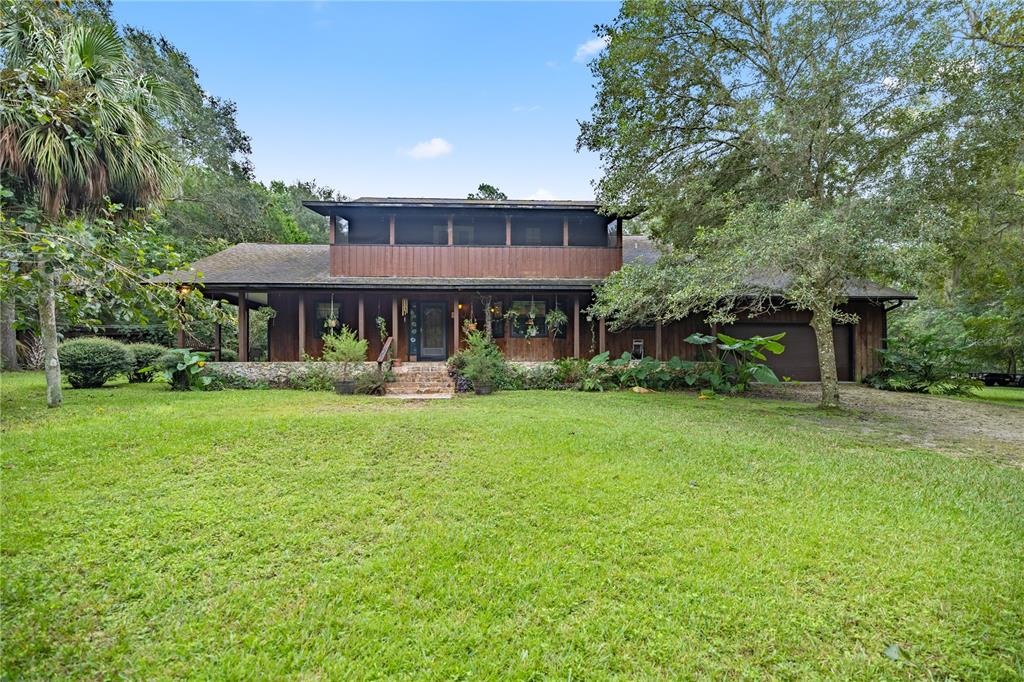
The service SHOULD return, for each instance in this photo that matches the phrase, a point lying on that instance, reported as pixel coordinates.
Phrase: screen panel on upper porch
(469, 238)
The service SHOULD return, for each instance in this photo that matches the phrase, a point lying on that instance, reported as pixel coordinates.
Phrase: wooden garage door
(800, 359)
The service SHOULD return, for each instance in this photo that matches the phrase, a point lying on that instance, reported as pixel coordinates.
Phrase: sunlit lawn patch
(151, 534)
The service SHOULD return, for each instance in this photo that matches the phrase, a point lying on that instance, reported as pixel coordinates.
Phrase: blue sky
(400, 99)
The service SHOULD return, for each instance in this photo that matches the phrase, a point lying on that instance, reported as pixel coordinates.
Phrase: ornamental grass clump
(92, 362)
(144, 357)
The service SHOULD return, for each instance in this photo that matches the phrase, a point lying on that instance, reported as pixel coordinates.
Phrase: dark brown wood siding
(856, 345)
(372, 260)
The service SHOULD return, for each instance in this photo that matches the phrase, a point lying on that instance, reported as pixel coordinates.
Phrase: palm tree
(79, 123)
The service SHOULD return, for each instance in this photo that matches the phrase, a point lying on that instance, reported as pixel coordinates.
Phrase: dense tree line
(115, 165)
(783, 149)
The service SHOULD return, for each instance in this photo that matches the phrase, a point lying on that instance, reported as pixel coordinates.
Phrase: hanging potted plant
(331, 323)
(557, 320)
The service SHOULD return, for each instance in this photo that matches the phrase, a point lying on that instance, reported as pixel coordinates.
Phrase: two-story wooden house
(425, 266)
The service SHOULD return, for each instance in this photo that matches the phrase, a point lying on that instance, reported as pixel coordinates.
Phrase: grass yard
(274, 534)
(1000, 395)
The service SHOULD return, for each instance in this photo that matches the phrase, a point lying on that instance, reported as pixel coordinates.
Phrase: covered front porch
(426, 325)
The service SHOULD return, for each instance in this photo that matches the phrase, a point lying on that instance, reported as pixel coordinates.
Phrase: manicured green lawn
(1001, 395)
(272, 534)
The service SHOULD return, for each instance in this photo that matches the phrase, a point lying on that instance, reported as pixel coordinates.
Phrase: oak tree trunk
(8, 339)
(48, 327)
(821, 322)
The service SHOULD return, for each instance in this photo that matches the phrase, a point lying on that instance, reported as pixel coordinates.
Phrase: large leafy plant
(183, 369)
(923, 366)
(739, 362)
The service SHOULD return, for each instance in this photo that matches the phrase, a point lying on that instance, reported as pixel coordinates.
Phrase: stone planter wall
(276, 374)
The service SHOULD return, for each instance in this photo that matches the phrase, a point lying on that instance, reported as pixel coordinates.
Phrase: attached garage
(800, 359)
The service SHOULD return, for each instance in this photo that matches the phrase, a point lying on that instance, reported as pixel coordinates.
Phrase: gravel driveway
(955, 426)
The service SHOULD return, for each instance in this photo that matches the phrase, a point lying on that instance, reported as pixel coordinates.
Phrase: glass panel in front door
(433, 322)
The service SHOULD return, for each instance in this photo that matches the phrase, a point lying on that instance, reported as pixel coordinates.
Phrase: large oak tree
(760, 138)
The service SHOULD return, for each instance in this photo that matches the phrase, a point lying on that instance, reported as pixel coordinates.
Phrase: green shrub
(541, 377)
(228, 355)
(92, 362)
(218, 382)
(570, 372)
(144, 357)
(345, 348)
(922, 365)
(483, 363)
(183, 368)
(510, 378)
(373, 381)
(317, 377)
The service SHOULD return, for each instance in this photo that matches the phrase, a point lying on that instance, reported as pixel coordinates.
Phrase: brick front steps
(421, 378)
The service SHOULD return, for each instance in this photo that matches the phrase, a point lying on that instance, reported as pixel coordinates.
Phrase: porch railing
(384, 351)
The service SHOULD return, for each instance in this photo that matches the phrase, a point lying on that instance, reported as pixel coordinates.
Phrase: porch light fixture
(405, 307)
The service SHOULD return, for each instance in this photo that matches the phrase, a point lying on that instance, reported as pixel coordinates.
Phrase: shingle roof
(639, 249)
(308, 266)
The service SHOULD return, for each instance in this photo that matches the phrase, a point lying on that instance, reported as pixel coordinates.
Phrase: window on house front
(328, 318)
(528, 319)
(497, 320)
(440, 234)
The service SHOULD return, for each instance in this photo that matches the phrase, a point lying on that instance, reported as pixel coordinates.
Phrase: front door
(433, 330)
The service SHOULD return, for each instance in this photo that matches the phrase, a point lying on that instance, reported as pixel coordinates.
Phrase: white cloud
(551, 64)
(520, 108)
(433, 148)
(541, 195)
(588, 49)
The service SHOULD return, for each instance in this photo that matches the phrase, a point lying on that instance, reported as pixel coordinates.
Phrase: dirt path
(960, 427)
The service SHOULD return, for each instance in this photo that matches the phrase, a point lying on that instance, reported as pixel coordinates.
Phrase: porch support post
(657, 340)
(334, 226)
(451, 230)
(391, 229)
(362, 318)
(576, 327)
(181, 334)
(508, 230)
(243, 328)
(565, 232)
(394, 325)
(600, 336)
(302, 325)
(217, 337)
(455, 323)
(618, 233)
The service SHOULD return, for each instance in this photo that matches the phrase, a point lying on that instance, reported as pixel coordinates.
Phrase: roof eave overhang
(403, 286)
(328, 208)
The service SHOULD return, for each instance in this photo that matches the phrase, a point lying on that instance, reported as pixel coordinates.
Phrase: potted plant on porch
(348, 350)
